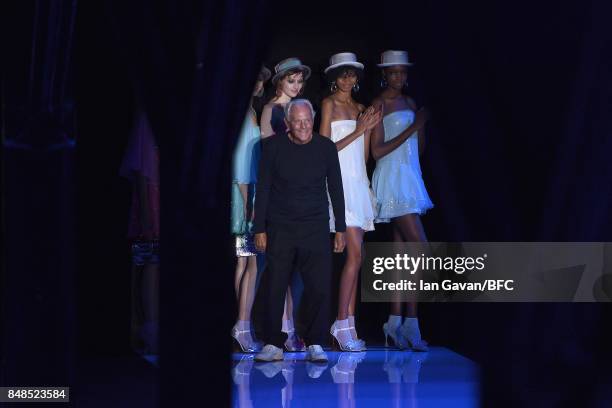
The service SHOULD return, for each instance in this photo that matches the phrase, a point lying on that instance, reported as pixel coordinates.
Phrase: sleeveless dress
(359, 201)
(397, 179)
(244, 171)
(277, 120)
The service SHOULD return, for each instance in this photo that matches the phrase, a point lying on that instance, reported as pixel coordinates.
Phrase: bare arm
(421, 132)
(341, 144)
(421, 136)
(266, 121)
(327, 107)
(368, 133)
(364, 123)
(380, 148)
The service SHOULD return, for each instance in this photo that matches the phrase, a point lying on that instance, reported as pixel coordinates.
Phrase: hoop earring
(383, 83)
(356, 87)
(333, 88)
(405, 86)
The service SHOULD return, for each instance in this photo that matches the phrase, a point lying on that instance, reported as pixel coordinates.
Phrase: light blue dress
(397, 181)
(244, 171)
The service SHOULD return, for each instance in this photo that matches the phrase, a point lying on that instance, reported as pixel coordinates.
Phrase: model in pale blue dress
(397, 181)
(244, 171)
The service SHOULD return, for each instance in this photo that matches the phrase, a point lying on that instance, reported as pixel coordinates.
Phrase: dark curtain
(194, 64)
(39, 259)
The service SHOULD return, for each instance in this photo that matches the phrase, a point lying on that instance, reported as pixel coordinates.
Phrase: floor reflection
(376, 378)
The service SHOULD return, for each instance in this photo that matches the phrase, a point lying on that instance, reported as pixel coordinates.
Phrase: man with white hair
(292, 227)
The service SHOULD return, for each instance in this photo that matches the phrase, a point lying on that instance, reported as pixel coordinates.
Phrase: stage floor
(376, 378)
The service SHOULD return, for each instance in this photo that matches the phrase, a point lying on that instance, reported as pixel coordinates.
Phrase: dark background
(517, 150)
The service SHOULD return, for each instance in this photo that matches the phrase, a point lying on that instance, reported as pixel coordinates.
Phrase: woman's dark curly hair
(342, 70)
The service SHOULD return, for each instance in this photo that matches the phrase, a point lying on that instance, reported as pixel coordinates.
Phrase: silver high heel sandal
(349, 345)
(252, 347)
(360, 341)
(413, 340)
(398, 340)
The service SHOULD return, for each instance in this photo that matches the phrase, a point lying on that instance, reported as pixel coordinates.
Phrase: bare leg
(244, 284)
(240, 268)
(354, 290)
(251, 278)
(396, 307)
(411, 230)
(246, 287)
(351, 308)
(348, 279)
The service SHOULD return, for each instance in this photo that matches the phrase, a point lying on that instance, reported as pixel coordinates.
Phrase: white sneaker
(316, 354)
(270, 353)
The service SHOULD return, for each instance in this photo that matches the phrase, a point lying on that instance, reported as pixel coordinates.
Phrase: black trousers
(302, 248)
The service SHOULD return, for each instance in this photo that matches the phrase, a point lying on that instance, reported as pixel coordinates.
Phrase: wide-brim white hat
(343, 59)
(290, 63)
(390, 58)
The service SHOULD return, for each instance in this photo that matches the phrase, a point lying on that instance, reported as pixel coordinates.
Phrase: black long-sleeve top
(291, 183)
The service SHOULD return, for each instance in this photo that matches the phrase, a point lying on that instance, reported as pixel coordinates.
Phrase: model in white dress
(349, 124)
(359, 200)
